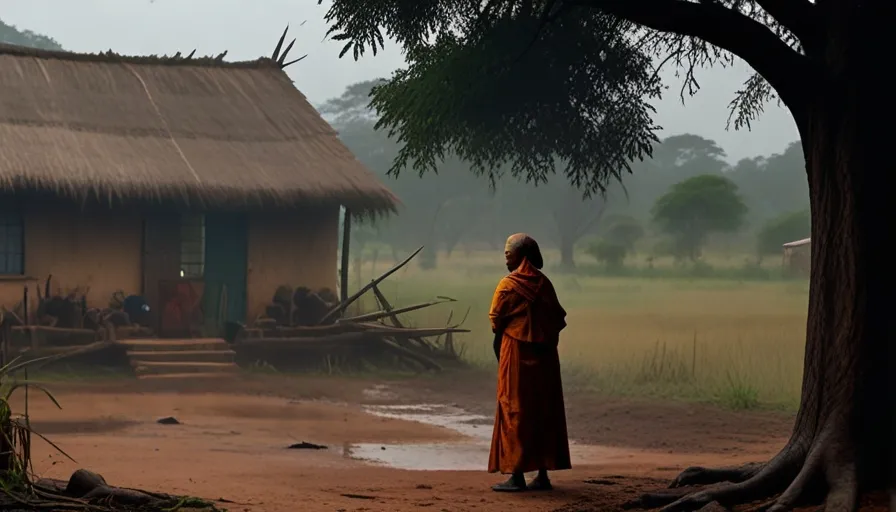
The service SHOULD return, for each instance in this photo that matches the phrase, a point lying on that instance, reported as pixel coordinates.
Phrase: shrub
(611, 254)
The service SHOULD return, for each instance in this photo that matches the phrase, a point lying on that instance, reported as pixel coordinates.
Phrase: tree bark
(843, 438)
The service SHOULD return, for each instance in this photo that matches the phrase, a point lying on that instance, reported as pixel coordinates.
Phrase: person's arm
(496, 318)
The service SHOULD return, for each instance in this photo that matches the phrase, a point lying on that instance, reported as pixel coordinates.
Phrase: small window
(192, 246)
(12, 244)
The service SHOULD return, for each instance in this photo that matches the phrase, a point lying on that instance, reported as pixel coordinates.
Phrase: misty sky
(248, 29)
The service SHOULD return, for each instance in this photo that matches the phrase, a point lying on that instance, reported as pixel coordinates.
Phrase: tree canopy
(696, 207)
(787, 227)
(9, 34)
(513, 86)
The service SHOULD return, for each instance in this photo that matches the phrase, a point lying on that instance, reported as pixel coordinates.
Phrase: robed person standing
(530, 422)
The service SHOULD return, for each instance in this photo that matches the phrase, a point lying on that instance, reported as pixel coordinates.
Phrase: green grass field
(735, 342)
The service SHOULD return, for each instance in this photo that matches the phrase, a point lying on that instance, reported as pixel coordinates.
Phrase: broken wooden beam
(386, 306)
(376, 315)
(424, 361)
(346, 302)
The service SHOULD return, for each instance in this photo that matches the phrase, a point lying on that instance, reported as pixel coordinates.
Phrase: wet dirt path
(234, 447)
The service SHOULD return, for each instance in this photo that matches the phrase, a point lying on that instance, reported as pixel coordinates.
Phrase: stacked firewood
(298, 307)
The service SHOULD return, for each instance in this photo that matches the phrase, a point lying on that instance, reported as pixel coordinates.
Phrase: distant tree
(675, 158)
(436, 211)
(773, 185)
(688, 155)
(624, 231)
(352, 105)
(611, 254)
(9, 34)
(696, 207)
(573, 216)
(780, 230)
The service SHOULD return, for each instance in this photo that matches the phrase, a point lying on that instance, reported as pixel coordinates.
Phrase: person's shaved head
(521, 246)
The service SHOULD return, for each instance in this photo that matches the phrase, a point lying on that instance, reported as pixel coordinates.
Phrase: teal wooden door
(226, 263)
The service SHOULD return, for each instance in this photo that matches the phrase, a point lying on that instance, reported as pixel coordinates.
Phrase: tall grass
(735, 341)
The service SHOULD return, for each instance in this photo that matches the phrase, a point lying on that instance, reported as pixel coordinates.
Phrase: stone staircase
(175, 359)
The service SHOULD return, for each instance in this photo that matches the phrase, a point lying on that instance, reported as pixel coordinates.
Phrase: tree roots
(801, 474)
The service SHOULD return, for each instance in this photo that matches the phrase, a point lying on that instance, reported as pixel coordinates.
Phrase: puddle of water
(471, 425)
(468, 455)
(379, 392)
(460, 456)
(423, 457)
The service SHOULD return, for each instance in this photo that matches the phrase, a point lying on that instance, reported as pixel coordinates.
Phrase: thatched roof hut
(193, 131)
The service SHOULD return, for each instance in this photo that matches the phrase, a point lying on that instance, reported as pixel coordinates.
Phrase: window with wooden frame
(12, 244)
(192, 246)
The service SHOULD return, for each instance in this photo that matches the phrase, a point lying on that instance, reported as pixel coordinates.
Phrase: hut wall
(12, 291)
(295, 249)
(96, 249)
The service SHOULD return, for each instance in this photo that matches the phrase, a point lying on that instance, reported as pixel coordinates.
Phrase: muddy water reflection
(470, 454)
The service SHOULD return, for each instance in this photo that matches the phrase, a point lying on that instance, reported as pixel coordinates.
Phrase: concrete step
(160, 367)
(147, 345)
(200, 356)
(186, 376)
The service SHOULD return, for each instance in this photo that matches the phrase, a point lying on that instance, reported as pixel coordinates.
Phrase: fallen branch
(426, 362)
(376, 315)
(386, 306)
(348, 301)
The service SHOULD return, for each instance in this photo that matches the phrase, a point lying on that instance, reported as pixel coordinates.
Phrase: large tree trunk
(567, 250)
(843, 438)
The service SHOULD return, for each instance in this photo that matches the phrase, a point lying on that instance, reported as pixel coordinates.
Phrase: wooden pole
(346, 246)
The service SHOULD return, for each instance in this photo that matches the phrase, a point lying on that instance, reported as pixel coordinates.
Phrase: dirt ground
(231, 443)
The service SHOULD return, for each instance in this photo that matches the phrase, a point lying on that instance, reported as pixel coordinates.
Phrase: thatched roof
(158, 128)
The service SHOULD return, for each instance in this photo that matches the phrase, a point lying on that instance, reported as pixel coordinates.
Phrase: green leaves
(527, 88)
(506, 91)
(697, 206)
(784, 228)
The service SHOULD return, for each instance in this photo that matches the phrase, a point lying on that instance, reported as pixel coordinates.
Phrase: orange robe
(530, 423)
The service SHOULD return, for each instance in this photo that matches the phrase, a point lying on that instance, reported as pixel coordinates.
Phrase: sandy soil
(232, 438)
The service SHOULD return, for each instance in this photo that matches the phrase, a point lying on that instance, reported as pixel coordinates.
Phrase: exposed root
(744, 484)
(801, 473)
(707, 476)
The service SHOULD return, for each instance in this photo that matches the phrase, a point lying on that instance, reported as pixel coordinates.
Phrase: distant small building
(797, 256)
(164, 176)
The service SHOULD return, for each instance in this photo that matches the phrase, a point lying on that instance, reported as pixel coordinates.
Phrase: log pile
(302, 326)
(298, 307)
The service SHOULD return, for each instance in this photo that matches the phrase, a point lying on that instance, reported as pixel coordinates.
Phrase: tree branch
(788, 72)
(797, 16)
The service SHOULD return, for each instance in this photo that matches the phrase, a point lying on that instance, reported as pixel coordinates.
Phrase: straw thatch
(197, 130)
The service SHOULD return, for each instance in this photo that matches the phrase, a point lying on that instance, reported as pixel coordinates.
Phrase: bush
(608, 253)
(780, 230)
(625, 231)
